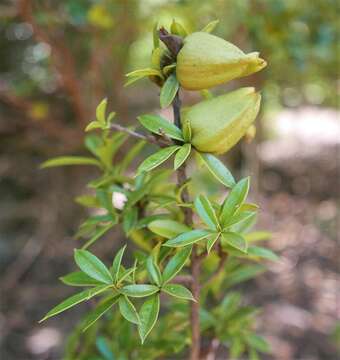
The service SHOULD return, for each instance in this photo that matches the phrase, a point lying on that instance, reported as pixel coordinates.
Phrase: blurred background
(58, 59)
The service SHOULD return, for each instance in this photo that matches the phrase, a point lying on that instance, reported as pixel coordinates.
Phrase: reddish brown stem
(195, 261)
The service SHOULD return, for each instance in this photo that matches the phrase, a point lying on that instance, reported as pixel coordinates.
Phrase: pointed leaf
(178, 29)
(92, 266)
(69, 160)
(153, 270)
(116, 264)
(99, 311)
(239, 217)
(168, 91)
(212, 240)
(74, 300)
(100, 111)
(182, 155)
(206, 211)
(148, 316)
(139, 290)
(144, 72)
(218, 170)
(128, 310)
(258, 236)
(178, 291)
(158, 125)
(176, 263)
(235, 240)
(168, 228)
(211, 26)
(156, 159)
(187, 238)
(78, 278)
(99, 232)
(262, 253)
(234, 200)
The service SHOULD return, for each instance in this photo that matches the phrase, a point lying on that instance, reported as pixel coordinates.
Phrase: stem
(153, 140)
(195, 261)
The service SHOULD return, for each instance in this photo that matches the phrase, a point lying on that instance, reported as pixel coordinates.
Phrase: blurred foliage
(77, 51)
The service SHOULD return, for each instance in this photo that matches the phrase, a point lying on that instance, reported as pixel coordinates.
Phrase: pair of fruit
(206, 61)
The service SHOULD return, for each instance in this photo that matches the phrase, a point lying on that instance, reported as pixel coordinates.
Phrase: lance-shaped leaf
(206, 212)
(178, 291)
(211, 26)
(69, 160)
(92, 266)
(263, 253)
(235, 199)
(176, 263)
(153, 270)
(178, 29)
(78, 278)
(168, 228)
(235, 240)
(218, 170)
(168, 91)
(116, 264)
(99, 311)
(212, 240)
(148, 315)
(159, 125)
(74, 300)
(128, 310)
(156, 159)
(100, 111)
(139, 290)
(239, 217)
(100, 231)
(182, 155)
(187, 238)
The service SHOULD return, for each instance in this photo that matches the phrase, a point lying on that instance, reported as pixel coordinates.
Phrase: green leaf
(178, 29)
(262, 253)
(206, 212)
(187, 238)
(244, 273)
(116, 264)
(92, 266)
(100, 112)
(130, 219)
(131, 155)
(155, 36)
(212, 240)
(69, 160)
(258, 343)
(99, 232)
(186, 130)
(128, 310)
(258, 236)
(235, 240)
(167, 228)
(156, 159)
(94, 125)
(78, 278)
(74, 300)
(182, 155)
(158, 125)
(99, 311)
(176, 263)
(104, 349)
(211, 26)
(168, 91)
(234, 200)
(240, 216)
(144, 72)
(139, 290)
(218, 170)
(153, 270)
(178, 291)
(148, 316)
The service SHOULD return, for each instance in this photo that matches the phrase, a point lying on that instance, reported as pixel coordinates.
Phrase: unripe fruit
(206, 60)
(219, 123)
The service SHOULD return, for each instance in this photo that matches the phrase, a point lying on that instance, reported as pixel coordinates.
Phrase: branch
(150, 139)
(195, 262)
(214, 275)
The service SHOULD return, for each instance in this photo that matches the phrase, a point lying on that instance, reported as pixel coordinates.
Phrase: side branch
(150, 139)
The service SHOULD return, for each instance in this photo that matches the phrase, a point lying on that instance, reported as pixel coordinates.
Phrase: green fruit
(206, 60)
(219, 123)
